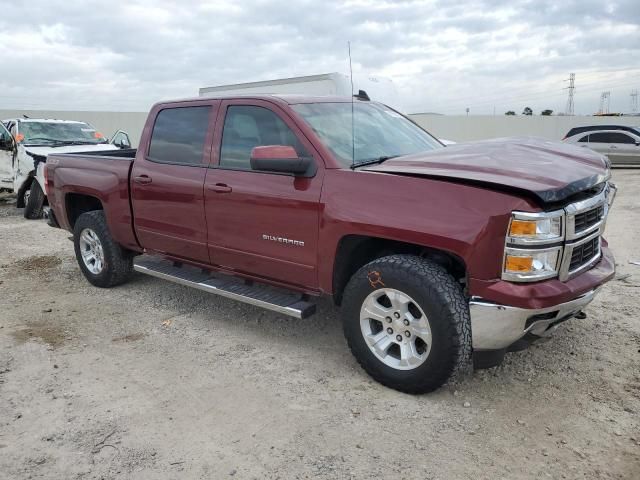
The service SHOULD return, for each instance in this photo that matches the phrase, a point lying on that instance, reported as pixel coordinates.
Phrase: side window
(621, 138)
(178, 135)
(247, 127)
(5, 139)
(602, 137)
(584, 139)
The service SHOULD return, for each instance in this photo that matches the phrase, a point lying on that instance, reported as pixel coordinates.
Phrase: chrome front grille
(585, 223)
(589, 218)
(584, 253)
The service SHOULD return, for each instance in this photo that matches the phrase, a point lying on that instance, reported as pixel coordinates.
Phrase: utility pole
(605, 100)
(634, 101)
(572, 86)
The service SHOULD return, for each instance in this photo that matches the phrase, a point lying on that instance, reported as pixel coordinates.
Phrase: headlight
(534, 228)
(531, 265)
(533, 248)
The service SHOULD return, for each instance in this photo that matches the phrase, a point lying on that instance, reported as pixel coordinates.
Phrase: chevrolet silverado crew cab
(437, 256)
(25, 144)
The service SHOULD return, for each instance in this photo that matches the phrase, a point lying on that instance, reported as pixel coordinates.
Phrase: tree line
(529, 111)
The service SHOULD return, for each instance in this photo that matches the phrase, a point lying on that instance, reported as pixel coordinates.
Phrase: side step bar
(269, 298)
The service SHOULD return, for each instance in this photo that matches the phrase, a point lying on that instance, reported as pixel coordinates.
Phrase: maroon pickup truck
(437, 255)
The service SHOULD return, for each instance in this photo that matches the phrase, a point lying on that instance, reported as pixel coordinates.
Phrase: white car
(25, 144)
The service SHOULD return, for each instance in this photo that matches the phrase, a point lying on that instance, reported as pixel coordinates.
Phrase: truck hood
(549, 171)
(44, 151)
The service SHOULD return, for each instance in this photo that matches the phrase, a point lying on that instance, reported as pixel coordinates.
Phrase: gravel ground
(152, 380)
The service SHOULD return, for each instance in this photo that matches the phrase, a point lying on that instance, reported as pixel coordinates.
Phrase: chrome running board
(259, 295)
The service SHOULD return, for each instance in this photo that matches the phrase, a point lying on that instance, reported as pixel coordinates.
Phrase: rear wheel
(33, 201)
(407, 323)
(103, 262)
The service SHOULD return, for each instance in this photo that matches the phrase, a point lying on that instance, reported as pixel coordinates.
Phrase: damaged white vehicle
(25, 144)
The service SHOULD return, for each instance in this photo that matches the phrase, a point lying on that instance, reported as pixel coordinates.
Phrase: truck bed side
(80, 182)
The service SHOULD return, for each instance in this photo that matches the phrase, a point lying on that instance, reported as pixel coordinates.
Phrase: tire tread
(118, 261)
(446, 297)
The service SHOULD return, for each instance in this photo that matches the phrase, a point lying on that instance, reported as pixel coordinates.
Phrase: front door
(167, 182)
(260, 223)
(6, 155)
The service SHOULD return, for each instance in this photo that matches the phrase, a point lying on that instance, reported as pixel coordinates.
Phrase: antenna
(353, 132)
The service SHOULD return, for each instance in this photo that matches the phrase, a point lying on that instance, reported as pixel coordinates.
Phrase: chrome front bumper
(494, 326)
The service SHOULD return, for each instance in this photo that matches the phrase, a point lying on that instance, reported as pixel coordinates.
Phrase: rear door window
(621, 138)
(179, 134)
(610, 137)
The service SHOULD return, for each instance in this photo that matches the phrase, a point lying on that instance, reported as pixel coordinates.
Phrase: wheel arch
(78, 203)
(354, 251)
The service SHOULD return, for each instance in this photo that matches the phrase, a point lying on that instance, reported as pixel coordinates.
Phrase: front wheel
(102, 261)
(33, 201)
(407, 323)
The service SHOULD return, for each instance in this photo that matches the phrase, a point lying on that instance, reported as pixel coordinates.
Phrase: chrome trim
(529, 277)
(574, 209)
(564, 273)
(536, 216)
(495, 326)
(292, 312)
(569, 237)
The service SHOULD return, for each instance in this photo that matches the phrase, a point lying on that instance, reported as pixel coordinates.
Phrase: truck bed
(73, 178)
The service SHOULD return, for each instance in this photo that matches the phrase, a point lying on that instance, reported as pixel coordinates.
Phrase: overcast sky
(442, 56)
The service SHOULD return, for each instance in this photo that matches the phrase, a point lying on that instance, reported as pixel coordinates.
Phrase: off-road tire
(35, 202)
(118, 262)
(442, 300)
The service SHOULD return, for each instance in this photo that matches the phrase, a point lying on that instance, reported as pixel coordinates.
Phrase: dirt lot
(152, 380)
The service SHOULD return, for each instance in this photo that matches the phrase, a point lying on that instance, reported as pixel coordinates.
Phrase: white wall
(105, 122)
(478, 127)
(457, 128)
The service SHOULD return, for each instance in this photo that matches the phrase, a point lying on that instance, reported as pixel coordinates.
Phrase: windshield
(380, 132)
(51, 133)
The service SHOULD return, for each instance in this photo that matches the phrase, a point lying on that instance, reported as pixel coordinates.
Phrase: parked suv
(434, 254)
(620, 144)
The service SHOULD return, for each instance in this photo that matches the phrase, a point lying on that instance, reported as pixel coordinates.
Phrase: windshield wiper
(373, 161)
(61, 143)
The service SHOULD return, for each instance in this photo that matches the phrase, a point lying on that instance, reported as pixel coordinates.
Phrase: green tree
(546, 113)
(527, 111)
(510, 112)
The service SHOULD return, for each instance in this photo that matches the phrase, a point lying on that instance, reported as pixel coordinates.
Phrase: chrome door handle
(142, 179)
(220, 188)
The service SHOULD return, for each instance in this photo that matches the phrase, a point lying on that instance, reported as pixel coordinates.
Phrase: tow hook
(581, 315)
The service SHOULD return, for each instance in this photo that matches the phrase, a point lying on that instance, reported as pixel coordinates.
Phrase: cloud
(441, 56)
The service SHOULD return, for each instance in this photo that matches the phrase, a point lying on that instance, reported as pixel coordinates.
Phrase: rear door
(6, 155)
(624, 148)
(260, 223)
(167, 181)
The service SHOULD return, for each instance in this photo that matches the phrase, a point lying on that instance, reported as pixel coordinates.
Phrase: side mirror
(279, 158)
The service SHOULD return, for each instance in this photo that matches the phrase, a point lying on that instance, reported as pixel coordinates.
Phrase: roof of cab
(290, 99)
(40, 120)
